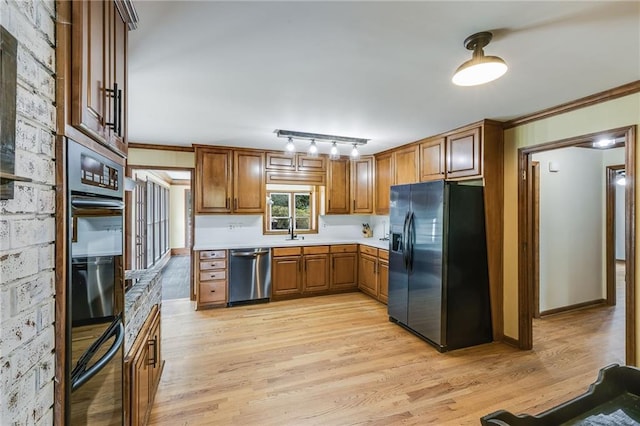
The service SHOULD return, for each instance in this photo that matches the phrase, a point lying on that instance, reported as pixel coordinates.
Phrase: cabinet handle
(235, 204)
(213, 291)
(226, 203)
(354, 205)
(113, 93)
(119, 115)
(328, 204)
(154, 342)
(300, 265)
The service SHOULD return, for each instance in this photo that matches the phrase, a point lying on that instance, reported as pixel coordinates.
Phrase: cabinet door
(316, 272)
(362, 185)
(463, 154)
(384, 180)
(285, 276)
(248, 180)
(338, 187)
(155, 357)
(140, 387)
(432, 156)
(406, 165)
(367, 281)
(307, 163)
(89, 66)
(117, 110)
(213, 181)
(344, 271)
(383, 280)
(280, 161)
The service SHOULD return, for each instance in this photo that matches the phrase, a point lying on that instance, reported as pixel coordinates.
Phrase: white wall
(571, 227)
(177, 212)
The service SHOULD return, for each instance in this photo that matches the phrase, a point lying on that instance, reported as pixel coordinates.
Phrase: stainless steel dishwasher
(249, 275)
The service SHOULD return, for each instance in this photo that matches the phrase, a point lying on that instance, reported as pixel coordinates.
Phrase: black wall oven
(95, 289)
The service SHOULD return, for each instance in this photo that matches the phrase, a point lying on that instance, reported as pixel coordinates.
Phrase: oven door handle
(81, 374)
(96, 203)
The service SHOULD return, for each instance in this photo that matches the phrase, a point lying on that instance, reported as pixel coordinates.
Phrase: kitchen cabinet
(296, 162)
(373, 273)
(362, 185)
(143, 367)
(383, 181)
(315, 269)
(463, 153)
(229, 181)
(98, 72)
(286, 272)
(406, 165)
(432, 159)
(338, 193)
(344, 267)
(211, 279)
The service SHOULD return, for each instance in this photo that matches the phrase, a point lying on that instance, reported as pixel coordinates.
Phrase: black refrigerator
(438, 273)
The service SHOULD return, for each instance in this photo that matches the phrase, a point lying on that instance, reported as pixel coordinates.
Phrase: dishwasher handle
(252, 254)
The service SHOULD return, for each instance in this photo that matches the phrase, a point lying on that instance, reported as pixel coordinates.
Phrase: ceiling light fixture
(334, 153)
(318, 137)
(290, 147)
(313, 148)
(479, 69)
(354, 151)
(603, 143)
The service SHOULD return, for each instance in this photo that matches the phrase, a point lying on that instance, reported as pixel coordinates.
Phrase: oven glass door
(96, 301)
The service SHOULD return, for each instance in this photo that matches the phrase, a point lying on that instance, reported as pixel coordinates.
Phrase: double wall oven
(95, 289)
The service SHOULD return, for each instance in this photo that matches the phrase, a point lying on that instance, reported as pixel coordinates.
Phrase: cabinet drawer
(368, 250)
(213, 291)
(286, 251)
(344, 248)
(316, 249)
(213, 264)
(213, 254)
(213, 275)
(383, 254)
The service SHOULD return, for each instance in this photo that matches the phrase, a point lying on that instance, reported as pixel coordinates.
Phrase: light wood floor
(337, 360)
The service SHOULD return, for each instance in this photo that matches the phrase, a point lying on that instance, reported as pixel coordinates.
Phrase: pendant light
(479, 69)
(334, 153)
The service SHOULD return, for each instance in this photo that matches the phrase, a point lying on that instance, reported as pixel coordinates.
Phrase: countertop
(302, 240)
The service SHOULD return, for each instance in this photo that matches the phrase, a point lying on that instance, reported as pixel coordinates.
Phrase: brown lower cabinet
(299, 271)
(344, 267)
(143, 367)
(373, 272)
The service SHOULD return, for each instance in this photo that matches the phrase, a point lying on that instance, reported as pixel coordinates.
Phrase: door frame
(526, 228)
(610, 218)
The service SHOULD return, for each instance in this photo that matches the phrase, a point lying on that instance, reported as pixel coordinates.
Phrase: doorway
(160, 226)
(528, 232)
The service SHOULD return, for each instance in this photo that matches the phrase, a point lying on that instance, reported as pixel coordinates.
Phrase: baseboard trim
(511, 341)
(180, 251)
(577, 306)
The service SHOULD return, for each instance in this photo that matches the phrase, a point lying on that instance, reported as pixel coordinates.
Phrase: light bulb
(313, 148)
(334, 150)
(290, 146)
(354, 151)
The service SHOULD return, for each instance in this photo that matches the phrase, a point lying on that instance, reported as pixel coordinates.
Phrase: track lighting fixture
(479, 69)
(317, 137)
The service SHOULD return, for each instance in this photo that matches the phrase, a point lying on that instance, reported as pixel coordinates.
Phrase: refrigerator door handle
(411, 239)
(405, 258)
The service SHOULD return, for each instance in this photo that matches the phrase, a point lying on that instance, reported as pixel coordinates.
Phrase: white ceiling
(229, 73)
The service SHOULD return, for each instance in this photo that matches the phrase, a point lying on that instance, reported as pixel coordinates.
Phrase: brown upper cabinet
(432, 159)
(295, 162)
(350, 186)
(463, 153)
(406, 165)
(98, 72)
(384, 180)
(338, 194)
(229, 181)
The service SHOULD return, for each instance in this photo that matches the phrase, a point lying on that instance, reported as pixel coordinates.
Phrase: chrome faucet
(292, 236)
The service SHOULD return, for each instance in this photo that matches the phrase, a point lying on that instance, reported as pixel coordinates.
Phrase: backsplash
(216, 229)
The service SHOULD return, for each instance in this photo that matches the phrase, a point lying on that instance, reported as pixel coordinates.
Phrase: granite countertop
(280, 241)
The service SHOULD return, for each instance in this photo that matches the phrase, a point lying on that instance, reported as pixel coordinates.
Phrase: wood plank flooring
(337, 360)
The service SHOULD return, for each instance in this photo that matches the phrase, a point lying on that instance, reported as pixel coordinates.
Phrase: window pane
(280, 206)
(279, 223)
(302, 223)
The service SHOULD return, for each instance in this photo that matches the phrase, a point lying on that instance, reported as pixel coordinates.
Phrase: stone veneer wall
(27, 225)
(138, 302)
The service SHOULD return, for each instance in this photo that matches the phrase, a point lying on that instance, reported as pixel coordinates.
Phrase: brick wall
(27, 225)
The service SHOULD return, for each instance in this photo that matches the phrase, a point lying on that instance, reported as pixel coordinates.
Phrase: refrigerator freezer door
(425, 277)
(398, 278)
